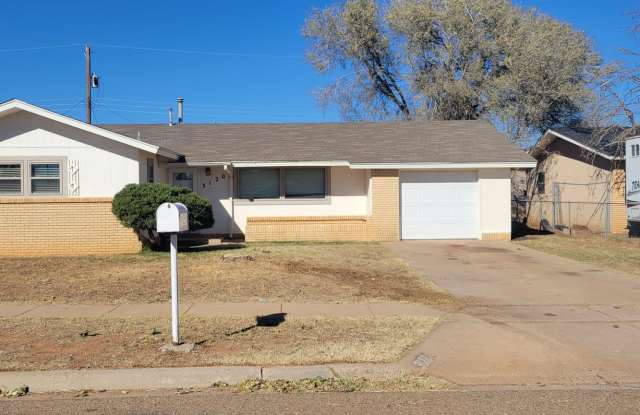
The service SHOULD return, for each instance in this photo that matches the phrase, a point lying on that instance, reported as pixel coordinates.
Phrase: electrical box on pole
(173, 218)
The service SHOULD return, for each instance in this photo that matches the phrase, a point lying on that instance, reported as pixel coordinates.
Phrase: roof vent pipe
(180, 111)
(170, 117)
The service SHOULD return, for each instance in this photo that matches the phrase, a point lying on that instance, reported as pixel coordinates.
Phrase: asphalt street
(597, 400)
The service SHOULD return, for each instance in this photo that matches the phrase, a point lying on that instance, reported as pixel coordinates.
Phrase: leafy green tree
(453, 59)
(135, 206)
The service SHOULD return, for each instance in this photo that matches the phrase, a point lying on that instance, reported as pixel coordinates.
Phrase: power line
(40, 48)
(199, 52)
(73, 107)
(142, 104)
(53, 99)
(113, 112)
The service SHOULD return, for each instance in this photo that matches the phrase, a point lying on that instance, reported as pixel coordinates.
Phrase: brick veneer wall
(57, 226)
(382, 225)
(618, 209)
(496, 236)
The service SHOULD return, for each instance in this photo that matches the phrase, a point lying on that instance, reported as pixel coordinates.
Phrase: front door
(213, 183)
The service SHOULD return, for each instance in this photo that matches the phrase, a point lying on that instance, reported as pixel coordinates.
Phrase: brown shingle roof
(370, 142)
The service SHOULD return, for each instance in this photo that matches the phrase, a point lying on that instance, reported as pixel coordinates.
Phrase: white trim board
(585, 147)
(15, 105)
(446, 166)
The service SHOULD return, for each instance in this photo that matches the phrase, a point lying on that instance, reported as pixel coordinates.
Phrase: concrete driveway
(528, 317)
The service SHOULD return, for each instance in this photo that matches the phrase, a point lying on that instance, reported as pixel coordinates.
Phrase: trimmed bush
(135, 205)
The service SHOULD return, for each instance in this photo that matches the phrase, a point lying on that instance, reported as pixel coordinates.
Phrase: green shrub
(135, 205)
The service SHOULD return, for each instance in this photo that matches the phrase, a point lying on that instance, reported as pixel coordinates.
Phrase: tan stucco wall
(382, 224)
(587, 209)
(62, 227)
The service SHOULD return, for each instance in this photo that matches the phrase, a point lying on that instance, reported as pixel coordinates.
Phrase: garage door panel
(439, 205)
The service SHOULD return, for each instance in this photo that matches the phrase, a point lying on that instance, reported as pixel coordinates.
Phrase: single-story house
(579, 183)
(338, 181)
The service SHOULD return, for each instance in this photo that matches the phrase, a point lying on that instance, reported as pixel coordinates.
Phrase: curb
(182, 377)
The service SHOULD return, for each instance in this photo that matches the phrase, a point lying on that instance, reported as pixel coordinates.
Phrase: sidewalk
(9, 310)
(186, 377)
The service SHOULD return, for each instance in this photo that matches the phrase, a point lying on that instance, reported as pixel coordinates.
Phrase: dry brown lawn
(617, 252)
(292, 272)
(53, 343)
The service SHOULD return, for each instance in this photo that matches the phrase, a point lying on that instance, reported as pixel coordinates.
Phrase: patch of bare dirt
(347, 272)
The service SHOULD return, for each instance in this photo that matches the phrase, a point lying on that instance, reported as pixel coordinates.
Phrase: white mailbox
(171, 218)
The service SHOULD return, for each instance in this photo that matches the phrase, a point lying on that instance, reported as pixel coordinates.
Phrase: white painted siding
(632, 163)
(495, 200)
(104, 166)
(486, 200)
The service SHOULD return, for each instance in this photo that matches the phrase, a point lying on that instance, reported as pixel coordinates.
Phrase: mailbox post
(173, 218)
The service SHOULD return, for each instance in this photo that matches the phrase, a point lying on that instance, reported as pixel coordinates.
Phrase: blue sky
(254, 69)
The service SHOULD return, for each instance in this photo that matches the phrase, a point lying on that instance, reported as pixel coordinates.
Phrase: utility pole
(87, 61)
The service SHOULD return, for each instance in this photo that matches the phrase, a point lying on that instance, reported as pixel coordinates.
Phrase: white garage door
(439, 205)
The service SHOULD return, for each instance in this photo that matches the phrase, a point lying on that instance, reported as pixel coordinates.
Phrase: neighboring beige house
(341, 181)
(579, 183)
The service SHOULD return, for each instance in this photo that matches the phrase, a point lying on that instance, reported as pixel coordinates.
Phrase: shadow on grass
(212, 248)
(521, 230)
(270, 320)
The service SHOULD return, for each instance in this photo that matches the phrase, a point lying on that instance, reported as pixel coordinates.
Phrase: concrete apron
(530, 318)
(183, 377)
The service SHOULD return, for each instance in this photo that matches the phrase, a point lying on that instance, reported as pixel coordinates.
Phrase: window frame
(283, 180)
(280, 183)
(541, 183)
(22, 178)
(151, 170)
(194, 184)
(26, 177)
(282, 199)
(31, 178)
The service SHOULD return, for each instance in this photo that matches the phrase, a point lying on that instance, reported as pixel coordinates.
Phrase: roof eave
(16, 104)
(581, 145)
(344, 163)
(448, 166)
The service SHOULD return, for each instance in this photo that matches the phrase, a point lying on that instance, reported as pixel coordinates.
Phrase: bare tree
(453, 59)
(353, 37)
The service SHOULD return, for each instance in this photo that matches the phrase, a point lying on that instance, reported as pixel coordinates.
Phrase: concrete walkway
(184, 377)
(8, 310)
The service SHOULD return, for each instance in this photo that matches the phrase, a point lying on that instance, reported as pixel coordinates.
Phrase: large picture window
(259, 183)
(282, 183)
(305, 182)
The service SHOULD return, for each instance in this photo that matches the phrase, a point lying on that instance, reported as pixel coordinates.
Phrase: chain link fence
(569, 217)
